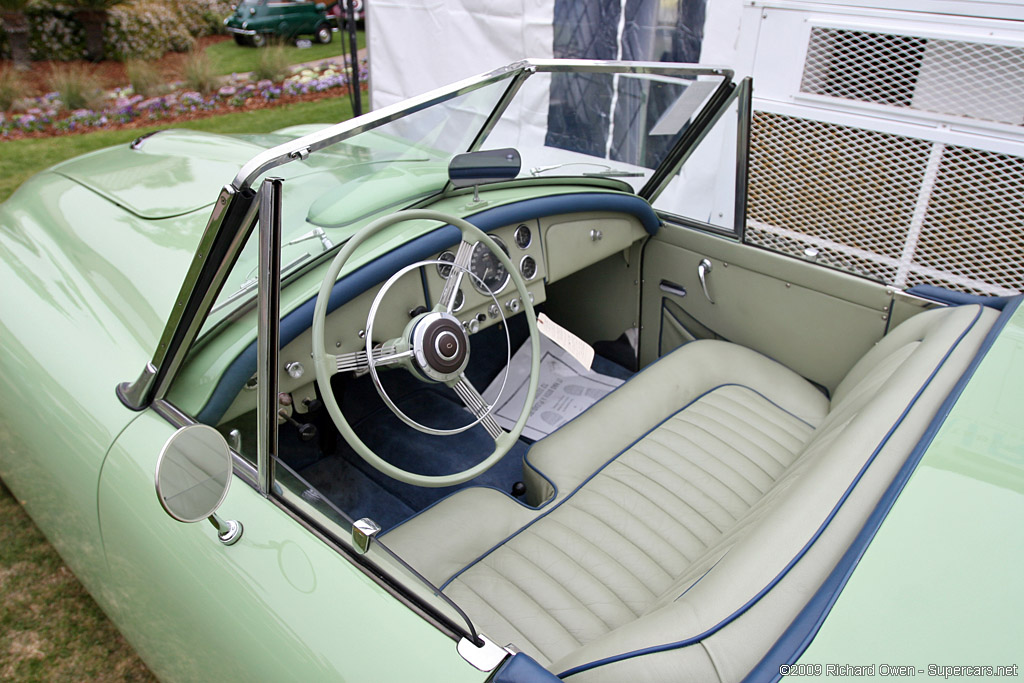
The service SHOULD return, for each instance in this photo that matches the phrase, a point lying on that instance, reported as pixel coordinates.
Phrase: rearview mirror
(193, 475)
(485, 166)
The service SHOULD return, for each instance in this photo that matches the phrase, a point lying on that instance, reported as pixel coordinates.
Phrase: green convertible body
(790, 468)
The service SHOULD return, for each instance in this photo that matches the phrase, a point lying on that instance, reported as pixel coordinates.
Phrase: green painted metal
(278, 605)
(940, 583)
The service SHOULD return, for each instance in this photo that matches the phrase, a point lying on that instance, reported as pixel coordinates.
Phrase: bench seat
(677, 527)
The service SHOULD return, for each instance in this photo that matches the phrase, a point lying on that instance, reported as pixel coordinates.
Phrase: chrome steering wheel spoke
(383, 355)
(478, 406)
(460, 266)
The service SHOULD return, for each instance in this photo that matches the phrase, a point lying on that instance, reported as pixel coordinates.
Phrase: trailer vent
(951, 77)
(897, 209)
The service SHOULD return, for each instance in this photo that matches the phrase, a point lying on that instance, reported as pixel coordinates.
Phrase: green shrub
(138, 29)
(144, 78)
(199, 74)
(77, 86)
(12, 88)
(274, 64)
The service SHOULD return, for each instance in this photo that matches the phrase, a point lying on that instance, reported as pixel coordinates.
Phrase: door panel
(815, 320)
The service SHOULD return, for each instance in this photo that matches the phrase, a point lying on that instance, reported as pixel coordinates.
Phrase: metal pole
(268, 340)
(353, 49)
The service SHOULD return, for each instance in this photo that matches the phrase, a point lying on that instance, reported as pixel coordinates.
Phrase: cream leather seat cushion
(683, 496)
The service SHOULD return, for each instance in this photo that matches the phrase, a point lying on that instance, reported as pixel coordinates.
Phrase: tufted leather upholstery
(673, 510)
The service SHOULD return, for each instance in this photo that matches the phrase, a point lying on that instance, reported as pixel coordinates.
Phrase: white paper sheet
(565, 390)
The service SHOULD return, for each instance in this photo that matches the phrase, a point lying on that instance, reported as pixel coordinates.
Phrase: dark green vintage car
(490, 386)
(255, 22)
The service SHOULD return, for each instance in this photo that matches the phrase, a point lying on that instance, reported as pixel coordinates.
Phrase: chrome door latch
(702, 272)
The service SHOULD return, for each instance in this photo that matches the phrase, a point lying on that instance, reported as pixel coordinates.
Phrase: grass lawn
(50, 629)
(227, 57)
(21, 159)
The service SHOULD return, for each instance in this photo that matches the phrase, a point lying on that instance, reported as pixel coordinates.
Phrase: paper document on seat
(565, 390)
(577, 348)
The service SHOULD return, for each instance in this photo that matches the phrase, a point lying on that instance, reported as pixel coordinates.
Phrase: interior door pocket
(678, 328)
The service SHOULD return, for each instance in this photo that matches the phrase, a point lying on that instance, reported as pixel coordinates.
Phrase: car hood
(171, 172)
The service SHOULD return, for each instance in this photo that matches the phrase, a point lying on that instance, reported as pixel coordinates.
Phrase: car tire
(323, 34)
(240, 39)
(258, 40)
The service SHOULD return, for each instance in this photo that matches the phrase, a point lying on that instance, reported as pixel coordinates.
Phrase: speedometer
(486, 266)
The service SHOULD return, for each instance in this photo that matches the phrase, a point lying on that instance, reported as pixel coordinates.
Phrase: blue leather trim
(377, 271)
(785, 570)
(948, 296)
(606, 464)
(798, 636)
(522, 668)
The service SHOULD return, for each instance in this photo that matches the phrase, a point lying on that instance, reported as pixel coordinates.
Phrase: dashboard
(543, 250)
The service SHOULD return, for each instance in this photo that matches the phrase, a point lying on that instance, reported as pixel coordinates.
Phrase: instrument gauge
(528, 267)
(523, 236)
(488, 269)
(443, 269)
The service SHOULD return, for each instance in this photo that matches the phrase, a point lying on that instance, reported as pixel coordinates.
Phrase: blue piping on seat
(798, 636)
(606, 464)
(378, 270)
(785, 570)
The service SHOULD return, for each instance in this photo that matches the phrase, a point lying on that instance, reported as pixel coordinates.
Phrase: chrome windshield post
(268, 339)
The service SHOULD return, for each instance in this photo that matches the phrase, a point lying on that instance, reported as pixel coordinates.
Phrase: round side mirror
(193, 473)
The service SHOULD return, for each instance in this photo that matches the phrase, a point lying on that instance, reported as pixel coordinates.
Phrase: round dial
(523, 237)
(460, 300)
(443, 269)
(488, 268)
(528, 267)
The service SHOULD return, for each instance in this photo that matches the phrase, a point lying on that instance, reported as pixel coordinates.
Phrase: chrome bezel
(440, 257)
(523, 272)
(478, 282)
(529, 236)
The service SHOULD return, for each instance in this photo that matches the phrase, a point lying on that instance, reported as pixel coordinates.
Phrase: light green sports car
(489, 385)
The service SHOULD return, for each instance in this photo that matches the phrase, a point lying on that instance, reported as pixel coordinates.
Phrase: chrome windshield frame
(236, 211)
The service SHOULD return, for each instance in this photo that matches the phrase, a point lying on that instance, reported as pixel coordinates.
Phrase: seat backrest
(761, 572)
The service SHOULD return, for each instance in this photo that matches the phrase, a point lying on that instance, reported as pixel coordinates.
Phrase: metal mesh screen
(897, 209)
(959, 78)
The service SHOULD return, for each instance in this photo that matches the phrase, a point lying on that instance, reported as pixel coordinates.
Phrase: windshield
(565, 123)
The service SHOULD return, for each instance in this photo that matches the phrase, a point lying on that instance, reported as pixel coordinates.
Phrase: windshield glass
(564, 123)
(600, 124)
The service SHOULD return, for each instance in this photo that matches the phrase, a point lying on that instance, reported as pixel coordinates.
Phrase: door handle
(672, 288)
(702, 273)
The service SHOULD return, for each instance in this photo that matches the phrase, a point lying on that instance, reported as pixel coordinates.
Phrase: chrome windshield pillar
(268, 339)
(225, 235)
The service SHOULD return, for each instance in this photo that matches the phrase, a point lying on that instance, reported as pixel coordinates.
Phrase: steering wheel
(434, 347)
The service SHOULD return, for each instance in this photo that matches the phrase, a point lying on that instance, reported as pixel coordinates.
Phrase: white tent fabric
(417, 47)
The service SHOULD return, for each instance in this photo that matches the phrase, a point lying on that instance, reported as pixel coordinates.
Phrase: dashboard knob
(493, 311)
(513, 305)
(472, 325)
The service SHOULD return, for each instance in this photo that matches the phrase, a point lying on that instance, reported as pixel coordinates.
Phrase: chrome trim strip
(281, 154)
(276, 156)
(744, 95)
(268, 337)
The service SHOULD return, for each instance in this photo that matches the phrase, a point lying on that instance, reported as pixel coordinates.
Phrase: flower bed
(44, 115)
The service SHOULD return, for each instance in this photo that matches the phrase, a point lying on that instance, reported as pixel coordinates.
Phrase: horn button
(440, 346)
